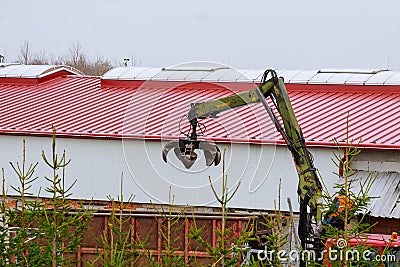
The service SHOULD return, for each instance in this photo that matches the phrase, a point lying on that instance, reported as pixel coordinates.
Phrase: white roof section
(212, 72)
(32, 71)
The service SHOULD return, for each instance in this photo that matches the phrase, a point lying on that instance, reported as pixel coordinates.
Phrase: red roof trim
(54, 75)
(170, 138)
(27, 81)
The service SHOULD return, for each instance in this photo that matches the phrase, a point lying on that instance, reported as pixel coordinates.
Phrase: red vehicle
(376, 249)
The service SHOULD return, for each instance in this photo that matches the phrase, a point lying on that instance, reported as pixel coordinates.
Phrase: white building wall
(378, 160)
(97, 165)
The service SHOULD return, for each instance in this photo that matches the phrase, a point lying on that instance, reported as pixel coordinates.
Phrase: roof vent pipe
(126, 60)
(1, 59)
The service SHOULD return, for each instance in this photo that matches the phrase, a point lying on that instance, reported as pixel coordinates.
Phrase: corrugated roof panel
(252, 76)
(80, 106)
(132, 72)
(147, 74)
(35, 71)
(192, 71)
(21, 69)
(177, 75)
(380, 78)
(212, 72)
(225, 75)
(348, 70)
(186, 72)
(303, 76)
(321, 78)
(394, 80)
(115, 73)
(32, 71)
(255, 76)
(340, 78)
(384, 193)
(197, 76)
(358, 78)
(198, 66)
(4, 69)
(396, 210)
(280, 72)
(164, 75)
(290, 74)
(330, 110)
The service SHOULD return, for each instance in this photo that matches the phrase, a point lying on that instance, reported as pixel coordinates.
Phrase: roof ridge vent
(197, 66)
(184, 69)
(351, 71)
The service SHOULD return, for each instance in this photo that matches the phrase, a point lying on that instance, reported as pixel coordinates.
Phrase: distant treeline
(75, 57)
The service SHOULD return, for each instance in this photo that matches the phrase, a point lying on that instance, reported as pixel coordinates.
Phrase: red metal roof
(88, 107)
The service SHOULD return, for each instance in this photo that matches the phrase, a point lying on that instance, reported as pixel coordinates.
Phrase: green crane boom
(309, 186)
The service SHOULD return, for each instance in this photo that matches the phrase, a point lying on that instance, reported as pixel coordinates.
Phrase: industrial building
(117, 124)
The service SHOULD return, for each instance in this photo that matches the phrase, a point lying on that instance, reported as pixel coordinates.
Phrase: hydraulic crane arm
(309, 187)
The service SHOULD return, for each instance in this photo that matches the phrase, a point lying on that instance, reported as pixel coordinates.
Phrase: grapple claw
(184, 151)
(167, 148)
(211, 152)
(187, 160)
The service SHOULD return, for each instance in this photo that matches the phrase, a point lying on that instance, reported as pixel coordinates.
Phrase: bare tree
(99, 66)
(75, 58)
(40, 58)
(75, 55)
(57, 60)
(24, 53)
(137, 61)
(79, 60)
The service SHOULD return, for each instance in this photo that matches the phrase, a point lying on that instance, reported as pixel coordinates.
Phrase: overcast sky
(255, 34)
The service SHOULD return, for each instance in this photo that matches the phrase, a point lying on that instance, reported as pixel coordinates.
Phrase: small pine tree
(35, 232)
(224, 253)
(62, 227)
(117, 246)
(348, 221)
(171, 223)
(23, 247)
